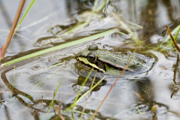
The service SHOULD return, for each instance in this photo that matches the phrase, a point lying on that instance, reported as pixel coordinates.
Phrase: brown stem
(5, 46)
(113, 86)
(169, 31)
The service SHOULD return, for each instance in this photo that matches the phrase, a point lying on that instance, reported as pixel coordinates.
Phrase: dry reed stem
(5, 46)
(58, 110)
(112, 86)
(139, 96)
(169, 31)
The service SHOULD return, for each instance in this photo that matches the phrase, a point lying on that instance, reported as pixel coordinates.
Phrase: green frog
(112, 62)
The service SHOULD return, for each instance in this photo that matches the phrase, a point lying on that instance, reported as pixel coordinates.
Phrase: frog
(113, 63)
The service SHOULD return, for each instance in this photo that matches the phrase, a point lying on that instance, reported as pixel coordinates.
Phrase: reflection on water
(27, 88)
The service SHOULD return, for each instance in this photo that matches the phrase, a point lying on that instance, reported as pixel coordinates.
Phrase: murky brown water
(27, 88)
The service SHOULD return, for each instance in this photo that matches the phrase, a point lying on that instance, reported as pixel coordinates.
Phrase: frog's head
(101, 60)
(91, 58)
(108, 62)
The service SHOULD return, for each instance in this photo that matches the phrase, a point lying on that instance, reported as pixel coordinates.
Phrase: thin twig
(113, 86)
(169, 31)
(139, 96)
(87, 98)
(5, 46)
(58, 110)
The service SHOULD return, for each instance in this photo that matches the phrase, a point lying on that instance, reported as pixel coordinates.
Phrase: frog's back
(121, 59)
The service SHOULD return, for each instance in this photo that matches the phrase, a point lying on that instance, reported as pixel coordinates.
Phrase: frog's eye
(92, 57)
(93, 47)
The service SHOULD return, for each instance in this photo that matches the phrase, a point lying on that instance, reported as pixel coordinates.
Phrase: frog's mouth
(105, 66)
(86, 62)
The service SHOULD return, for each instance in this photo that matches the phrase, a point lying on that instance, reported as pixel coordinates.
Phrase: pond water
(28, 88)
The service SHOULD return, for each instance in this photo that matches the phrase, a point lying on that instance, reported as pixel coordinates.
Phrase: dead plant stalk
(169, 31)
(11, 32)
(113, 85)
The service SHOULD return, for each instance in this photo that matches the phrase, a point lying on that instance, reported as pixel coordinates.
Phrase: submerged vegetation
(57, 63)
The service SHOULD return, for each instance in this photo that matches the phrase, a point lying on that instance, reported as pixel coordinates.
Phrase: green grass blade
(84, 94)
(123, 34)
(96, 8)
(86, 39)
(168, 37)
(99, 4)
(26, 12)
(75, 28)
(74, 104)
(52, 101)
(135, 25)
(175, 37)
(90, 89)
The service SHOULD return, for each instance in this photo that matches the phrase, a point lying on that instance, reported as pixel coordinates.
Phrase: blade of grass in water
(52, 101)
(84, 106)
(88, 92)
(77, 27)
(74, 104)
(90, 89)
(134, 35)
(26, 12)
(96, 8)
(45, 78)
(172, 38)
(136, 25)
(92, 37)
(99, 4)
(175, 37)
(168, 37)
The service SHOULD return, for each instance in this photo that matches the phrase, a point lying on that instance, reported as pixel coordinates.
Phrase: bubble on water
(161, 73)
(105, 46)
(98, 44)
(37, 67)
(165, 75)
(76, 88)
(114, 35)
(155, 38)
